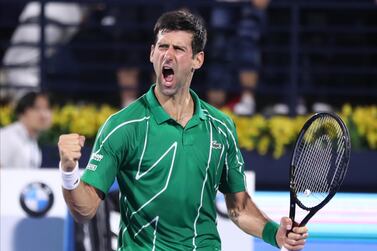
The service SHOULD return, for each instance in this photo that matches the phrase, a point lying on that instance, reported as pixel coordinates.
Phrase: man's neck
(180, 106)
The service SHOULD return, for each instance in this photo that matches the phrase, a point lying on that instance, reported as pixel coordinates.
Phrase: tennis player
(170, 153)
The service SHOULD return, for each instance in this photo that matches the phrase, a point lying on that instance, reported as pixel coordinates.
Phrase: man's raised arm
(81, 198)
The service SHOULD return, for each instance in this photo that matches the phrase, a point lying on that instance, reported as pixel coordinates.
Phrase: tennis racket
(319, 164)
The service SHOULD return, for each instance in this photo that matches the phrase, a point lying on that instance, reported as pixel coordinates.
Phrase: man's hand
(295, 240)
(70, 150)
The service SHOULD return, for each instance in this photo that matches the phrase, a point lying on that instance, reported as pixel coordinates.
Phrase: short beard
(169, 91)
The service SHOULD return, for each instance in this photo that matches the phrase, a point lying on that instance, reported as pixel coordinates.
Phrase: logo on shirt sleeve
(91, 167)
(96, 156)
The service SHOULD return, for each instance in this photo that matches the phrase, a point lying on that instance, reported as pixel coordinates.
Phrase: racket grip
(284, 249)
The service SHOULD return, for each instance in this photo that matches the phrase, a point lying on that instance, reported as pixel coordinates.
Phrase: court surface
(347, 223)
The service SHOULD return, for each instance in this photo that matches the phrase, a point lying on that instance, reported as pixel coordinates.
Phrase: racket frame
(334, 189)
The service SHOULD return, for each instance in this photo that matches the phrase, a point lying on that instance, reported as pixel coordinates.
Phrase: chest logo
(216, 145)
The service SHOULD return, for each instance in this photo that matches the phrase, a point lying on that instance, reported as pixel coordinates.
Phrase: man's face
(173, 61)
(38, 117)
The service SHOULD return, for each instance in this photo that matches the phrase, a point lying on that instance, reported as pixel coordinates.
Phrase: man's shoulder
(216, 114)
(136, 111)
(10, 129)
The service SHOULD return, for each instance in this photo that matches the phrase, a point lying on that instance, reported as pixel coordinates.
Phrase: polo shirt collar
(198, 106)
(161, 115)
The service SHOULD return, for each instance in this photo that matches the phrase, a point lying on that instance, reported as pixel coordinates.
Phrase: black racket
(319, 164)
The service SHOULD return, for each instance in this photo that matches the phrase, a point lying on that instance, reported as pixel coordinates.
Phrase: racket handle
(284, 249)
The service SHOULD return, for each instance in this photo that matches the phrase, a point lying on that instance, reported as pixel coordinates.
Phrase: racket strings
(325, 161)
(316, 171)
(310, 186)
(318, 184)
(337, 173)
(306, 161)
(339, 162)
(305, 178)
(321, 185)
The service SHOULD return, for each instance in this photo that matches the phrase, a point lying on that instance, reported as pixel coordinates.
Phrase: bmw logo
(36, 199)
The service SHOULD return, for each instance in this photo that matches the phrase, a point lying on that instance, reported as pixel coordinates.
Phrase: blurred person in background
(237, 57)
(216, 97)
(21, 71)
(249, 34)
(128, 83)
(129, 78)
(219, 73)
(217, 86)
(18, 141)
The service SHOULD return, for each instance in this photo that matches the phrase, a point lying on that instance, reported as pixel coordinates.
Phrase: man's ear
(198, 60)
(151, 54)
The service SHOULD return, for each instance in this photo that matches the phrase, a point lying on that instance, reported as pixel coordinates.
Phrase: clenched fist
(70, 150)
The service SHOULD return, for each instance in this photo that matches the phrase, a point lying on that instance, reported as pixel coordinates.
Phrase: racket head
(319, 161)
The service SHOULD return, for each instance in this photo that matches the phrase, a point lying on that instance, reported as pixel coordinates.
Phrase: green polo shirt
(168, 175)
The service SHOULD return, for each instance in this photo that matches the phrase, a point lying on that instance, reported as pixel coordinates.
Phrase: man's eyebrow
(175, 46)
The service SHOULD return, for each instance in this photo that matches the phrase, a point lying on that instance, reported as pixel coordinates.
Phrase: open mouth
(168, 73)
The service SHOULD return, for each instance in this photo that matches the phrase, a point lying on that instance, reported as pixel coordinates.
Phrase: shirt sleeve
(106, 156)
(233, 177)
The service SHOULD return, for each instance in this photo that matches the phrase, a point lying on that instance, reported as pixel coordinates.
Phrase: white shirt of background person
(18, 141)
(18, 149)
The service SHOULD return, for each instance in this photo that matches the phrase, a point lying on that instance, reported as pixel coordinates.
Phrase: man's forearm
(246, 215)
(83, 202)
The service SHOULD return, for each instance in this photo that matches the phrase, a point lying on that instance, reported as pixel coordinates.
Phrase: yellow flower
(84, 121)
(365, 120)
(56, 117)
(67, 115)
(282, 129)
(372, 139)
(346, 110)
(254, 133)
(278, 151)
(246, 144)
(5, 115)
(104, 112)
(263, 145)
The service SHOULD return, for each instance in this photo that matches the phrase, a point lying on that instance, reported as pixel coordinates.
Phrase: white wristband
(70, 180)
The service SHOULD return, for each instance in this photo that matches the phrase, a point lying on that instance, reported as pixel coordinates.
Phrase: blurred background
(269, 64)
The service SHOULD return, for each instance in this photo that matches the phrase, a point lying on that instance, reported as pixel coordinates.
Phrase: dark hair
(183, 20)
(28, 101)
